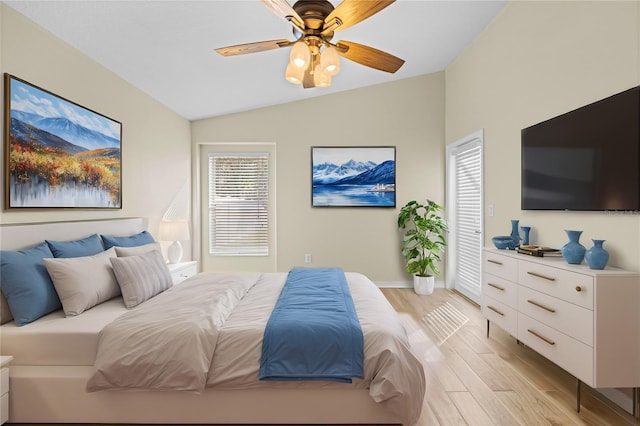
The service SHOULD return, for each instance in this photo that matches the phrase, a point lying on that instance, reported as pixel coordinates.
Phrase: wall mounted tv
(587, 159)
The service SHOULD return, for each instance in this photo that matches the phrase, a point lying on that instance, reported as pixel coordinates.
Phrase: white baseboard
(403, 284)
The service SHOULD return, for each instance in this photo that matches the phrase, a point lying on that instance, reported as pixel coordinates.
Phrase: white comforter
(208, 331)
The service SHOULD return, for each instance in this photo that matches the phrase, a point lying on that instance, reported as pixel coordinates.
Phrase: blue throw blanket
(313, 332)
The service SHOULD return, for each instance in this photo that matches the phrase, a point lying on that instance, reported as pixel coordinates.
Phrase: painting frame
(58, 153)
(353, 176)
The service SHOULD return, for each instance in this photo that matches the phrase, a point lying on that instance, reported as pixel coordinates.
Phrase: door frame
(451, 205)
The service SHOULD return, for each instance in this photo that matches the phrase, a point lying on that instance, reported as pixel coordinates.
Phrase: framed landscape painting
(353, 176)
(58, 153)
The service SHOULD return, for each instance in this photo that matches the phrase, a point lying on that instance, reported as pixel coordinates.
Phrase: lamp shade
(294, 74)
(321, 78)
(174, 230)
(300, 55)
(329, 61)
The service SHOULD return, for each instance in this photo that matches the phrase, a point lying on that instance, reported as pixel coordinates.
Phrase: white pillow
(141, 277)
(137, 250)
(83, 282)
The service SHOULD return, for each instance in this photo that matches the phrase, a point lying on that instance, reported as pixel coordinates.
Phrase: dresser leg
(636, 403)
(578, 390)
(487, 329)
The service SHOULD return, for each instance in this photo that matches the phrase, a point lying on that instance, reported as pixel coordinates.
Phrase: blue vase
(597, 257)
(573, 251)
(525, 234)
(515, 235)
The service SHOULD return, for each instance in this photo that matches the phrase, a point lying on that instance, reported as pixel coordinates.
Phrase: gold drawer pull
(495, 310)
(549, 341)
(541, 306)
(494, 261)
(495, 286)
(544, 277)
(578, 288)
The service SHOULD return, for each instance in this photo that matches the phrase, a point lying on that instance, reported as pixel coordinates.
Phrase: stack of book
(539, 251)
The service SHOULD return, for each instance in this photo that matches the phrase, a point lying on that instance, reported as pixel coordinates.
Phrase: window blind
(468, 165)
(238, 203)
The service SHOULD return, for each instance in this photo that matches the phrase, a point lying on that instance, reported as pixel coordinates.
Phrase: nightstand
(183, 270)
(4, 388)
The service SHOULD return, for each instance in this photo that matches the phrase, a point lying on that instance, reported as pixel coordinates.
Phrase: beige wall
(155, 140)
(408, 114)
(537, 60)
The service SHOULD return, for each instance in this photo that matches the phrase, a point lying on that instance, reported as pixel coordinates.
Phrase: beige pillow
(83, 282)
(141, 277)
(137, 250)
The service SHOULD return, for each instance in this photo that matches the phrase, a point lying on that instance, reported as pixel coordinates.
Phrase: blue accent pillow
(77, 248)
(26, 283)
(139, 239)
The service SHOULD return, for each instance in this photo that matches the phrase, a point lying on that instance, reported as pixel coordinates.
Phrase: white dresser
(4, 388)
(586, 321)
(182, 270)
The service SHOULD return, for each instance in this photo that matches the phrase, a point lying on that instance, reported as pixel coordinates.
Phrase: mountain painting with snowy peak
(60, 153)
(353, 176)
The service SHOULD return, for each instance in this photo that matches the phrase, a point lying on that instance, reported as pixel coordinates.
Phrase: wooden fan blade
(350, 12)
(284, 10)
(260, 46)
(369, 56)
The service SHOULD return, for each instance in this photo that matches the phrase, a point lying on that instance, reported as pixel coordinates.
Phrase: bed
(53, 376)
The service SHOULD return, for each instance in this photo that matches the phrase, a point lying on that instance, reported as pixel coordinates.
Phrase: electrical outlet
(307, 258)
(491, 210)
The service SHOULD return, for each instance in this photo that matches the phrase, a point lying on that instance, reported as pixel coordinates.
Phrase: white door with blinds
(238, 209)
(464, 214)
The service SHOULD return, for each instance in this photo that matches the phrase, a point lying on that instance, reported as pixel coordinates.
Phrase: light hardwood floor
(472, 380)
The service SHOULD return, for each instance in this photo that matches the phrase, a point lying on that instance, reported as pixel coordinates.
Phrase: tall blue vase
(525, 234)
(515, 234)
(597, 257)
(573, 251)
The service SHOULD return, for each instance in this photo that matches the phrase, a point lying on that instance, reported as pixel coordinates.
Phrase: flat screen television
(587, 159)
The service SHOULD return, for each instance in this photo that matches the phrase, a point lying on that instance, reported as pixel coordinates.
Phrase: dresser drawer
(4, 408)
(566, 285)
(502, 315)
(500, 266)
(500, 289)
(568, 353)
(572, 320)
(4, 381)
(182, 271)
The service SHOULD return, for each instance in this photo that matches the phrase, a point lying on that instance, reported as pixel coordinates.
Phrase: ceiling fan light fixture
(321, 78)
(329, 61)
(294, 74)
(300, 55)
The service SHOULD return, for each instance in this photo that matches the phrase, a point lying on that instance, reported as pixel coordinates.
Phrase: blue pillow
(26, 284)
(139, 239)
(78, 248)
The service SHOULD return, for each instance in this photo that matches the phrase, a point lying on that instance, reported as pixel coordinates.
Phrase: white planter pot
(423, 285)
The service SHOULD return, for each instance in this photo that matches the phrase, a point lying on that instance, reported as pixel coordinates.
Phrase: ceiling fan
(314, 58)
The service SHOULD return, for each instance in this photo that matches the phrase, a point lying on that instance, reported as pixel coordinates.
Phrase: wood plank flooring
(472, 380)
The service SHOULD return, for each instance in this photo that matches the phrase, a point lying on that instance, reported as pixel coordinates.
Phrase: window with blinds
(238, 204)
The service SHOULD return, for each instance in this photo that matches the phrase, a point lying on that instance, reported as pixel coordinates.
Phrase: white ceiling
(166, 48)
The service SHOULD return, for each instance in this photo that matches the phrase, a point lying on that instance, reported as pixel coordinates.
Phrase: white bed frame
(56, 394)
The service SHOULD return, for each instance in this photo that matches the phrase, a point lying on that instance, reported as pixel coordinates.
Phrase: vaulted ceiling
(166, 48)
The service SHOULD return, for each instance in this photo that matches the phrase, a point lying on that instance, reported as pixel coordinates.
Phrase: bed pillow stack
(77, 275)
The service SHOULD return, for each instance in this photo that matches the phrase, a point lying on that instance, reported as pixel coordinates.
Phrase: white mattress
(56, 340)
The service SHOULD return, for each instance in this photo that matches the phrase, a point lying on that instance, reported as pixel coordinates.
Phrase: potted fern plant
(423, 242)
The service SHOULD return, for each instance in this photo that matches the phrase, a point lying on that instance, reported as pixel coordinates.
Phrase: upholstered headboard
(25, 235)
